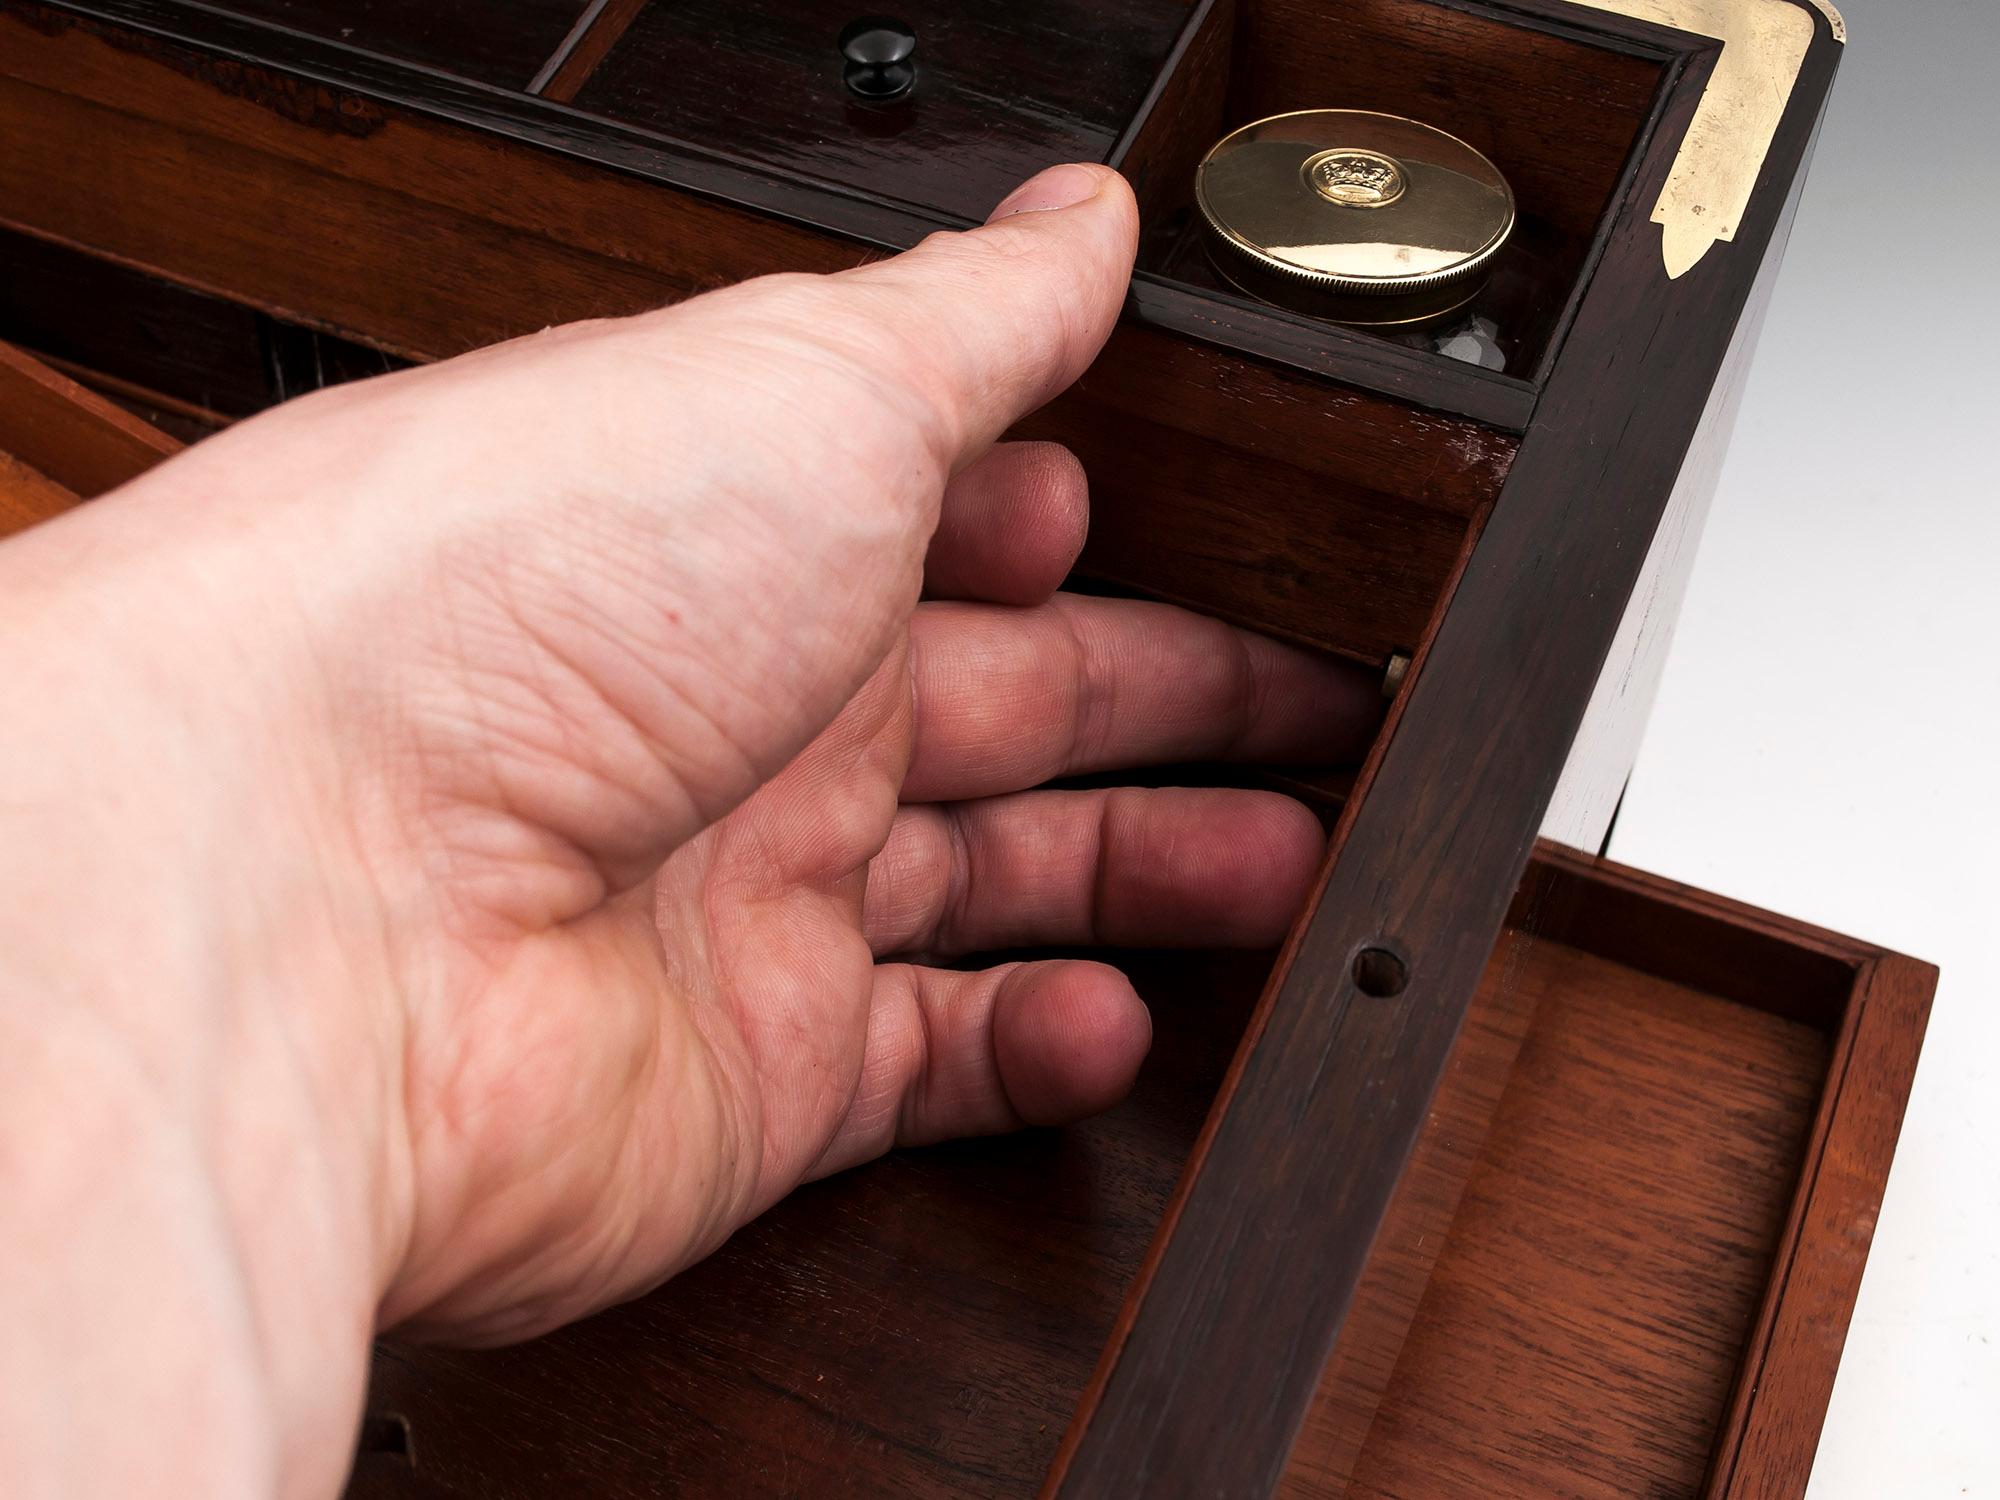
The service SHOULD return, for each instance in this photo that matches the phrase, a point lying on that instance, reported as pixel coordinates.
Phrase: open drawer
(1620, 1261)
(1622, 1258)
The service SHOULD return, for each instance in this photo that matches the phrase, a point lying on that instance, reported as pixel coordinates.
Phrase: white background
(1825, 738)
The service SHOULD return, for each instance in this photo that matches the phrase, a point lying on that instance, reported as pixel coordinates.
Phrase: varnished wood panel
(71, 436)
(1002, 90)
(27, 495)
(307, 91)
(412, 224)
(1322, 516)
(1580, 1333)
(502, 45)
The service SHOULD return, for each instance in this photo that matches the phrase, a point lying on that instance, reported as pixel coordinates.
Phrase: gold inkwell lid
(1352, 215)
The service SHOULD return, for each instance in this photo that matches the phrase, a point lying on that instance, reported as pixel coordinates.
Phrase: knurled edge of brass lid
(1334, 281)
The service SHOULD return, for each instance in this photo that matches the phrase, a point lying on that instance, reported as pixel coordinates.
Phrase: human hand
(530, 798)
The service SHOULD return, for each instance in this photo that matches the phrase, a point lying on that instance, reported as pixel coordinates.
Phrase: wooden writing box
(1517, 1173)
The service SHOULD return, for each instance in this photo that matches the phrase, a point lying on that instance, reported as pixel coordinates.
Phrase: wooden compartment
(506, 48)
(1002, 90)
(923, 1326)
(1364, 509)
(1590, 1263)
(187, 361)
(1559, 114)
(1366, 506)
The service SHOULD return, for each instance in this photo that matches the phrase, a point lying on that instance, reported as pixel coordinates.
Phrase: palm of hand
(662, 779)
(738, 1025)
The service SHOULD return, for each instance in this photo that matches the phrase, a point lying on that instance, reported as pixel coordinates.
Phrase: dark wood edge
(566, 48)
(1765, 1444)
(589, 42)
(1238, 324)
(130, 392)
(1128, 1312)
(1202, 1389)
(74, 436)
(1200, 17)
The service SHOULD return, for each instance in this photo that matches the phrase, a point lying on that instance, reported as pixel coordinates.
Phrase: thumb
(999, 319)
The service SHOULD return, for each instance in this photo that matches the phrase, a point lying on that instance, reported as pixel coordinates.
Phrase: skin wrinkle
(1101, 866)
(567, 663)
(959, 894)
(1088, 731)
(1012, 524)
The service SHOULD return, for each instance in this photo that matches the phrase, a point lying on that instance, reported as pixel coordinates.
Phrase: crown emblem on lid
(1355, 178)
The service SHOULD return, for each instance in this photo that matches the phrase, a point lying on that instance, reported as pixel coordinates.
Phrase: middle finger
(1008, 698)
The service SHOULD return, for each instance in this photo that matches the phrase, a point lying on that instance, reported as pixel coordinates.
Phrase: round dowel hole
(1380, 974)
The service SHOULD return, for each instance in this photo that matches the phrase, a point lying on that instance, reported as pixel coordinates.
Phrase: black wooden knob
(878, 51)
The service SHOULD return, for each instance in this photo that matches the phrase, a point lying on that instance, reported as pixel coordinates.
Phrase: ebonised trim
(1204, 1385)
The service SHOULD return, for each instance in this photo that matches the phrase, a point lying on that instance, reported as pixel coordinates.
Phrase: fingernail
(1058, 187)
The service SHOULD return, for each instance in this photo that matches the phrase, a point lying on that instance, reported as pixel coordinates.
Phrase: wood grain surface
(72, 437)
(307, 90)
(27, 495)
(1581, 1330)
(500, 45)
(1002, 90)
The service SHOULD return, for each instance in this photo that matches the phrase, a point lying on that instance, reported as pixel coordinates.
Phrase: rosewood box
(1515, 1172)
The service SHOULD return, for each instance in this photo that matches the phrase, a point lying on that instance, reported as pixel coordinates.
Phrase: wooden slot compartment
(1002, 91)
(189, 361)
(1656, 1157)
(1558, 114)
(1319, 515)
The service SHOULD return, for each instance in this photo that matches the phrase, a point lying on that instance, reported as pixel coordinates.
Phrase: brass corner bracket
(1764, 42)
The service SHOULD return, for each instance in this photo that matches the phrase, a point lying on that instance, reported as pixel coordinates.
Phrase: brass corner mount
(1764, 42)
